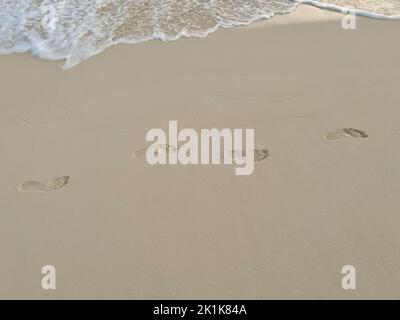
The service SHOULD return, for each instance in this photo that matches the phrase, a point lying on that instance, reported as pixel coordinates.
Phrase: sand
(325, 196)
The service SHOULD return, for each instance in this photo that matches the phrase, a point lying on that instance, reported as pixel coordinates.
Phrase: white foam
(83, 28)
(346, 9)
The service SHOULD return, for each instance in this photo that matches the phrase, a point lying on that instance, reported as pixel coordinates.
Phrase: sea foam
(74, 30)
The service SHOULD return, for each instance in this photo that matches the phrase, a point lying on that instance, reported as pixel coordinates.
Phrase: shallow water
(74, 30)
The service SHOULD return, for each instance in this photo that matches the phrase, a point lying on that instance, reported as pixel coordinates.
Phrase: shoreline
(307, 11)
(304, 13)
(343, 10)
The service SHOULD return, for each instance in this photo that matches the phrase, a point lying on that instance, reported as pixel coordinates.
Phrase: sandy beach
(325, 196)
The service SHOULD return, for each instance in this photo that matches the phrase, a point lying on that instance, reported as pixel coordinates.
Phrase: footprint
(260, 154)
(166, 148)
(44, 186)
(346, 133)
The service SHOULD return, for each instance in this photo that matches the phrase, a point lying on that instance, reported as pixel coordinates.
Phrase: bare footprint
(346, 133)
(44, 186)
(161, 148)
(260, 154)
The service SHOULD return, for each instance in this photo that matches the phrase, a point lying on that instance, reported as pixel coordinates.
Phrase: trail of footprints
(260, 154)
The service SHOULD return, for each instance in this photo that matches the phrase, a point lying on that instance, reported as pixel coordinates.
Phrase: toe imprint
(47, 186)
(346, 133)
(55, 184)
(260, 154)
(166, 148)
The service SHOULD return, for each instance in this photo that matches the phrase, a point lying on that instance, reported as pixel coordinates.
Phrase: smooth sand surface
(123, 229)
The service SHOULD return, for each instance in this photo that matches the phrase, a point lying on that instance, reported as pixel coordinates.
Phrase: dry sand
(123, 229)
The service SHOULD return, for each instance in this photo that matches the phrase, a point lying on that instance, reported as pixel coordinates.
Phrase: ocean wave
(74, 30)
(384, 9)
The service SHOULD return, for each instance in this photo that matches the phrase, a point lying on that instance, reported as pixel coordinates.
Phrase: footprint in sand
(43, 186)
(260, 154)
(161, 148)
(346, 133)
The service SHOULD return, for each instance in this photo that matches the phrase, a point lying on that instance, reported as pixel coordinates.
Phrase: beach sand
(120, 228)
